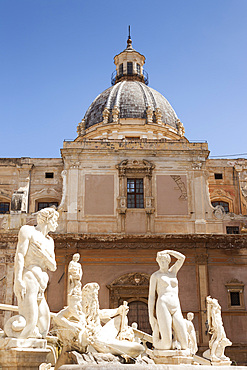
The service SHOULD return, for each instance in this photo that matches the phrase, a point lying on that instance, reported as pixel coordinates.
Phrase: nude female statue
(165, 312)
(34, 256)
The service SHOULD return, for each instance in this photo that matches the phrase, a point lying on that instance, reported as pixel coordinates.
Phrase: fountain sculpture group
(83, 327)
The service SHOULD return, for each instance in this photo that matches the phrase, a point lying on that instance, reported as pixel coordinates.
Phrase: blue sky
(57, 56)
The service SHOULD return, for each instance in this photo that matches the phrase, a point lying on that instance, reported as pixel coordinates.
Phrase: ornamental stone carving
(201, 259)
(149, 205)
(181, 129)
(134, 279)
(106, 114)
(149, 113)
(135, 166)
(158, 115)
(219, 212)
(122, 205)
(197, 165)
(181, 186)
(81, 127)
(115, 114)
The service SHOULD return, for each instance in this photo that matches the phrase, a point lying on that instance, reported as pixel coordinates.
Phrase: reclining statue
(80, 325)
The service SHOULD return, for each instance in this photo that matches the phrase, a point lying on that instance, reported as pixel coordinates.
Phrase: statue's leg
(179, 327)
(28, 307)
(214, 356)
(43, 318)
(165, 325)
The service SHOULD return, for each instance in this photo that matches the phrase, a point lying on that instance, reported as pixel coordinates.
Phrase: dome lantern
(129, 65)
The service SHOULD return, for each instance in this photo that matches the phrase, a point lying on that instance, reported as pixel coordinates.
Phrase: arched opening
(133, 288)
(138, 312)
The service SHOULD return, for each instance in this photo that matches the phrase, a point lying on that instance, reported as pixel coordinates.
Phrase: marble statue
(34, 256)
(218, 340)
(75, 274)
(192, 341)
(71, 325)
(80, 325)
(164, 312)
(115, 337)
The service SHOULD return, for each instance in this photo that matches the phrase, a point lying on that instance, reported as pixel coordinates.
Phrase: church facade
(131, 184)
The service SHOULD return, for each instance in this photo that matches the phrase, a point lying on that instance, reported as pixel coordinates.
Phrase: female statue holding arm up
(163, 302)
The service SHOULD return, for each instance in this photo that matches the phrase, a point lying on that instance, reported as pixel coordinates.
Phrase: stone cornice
(140, 241)
(184, 241)
(157, 145)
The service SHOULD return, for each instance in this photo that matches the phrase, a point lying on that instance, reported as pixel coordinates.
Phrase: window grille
(129, 68)
(232, 229)
(4, 207)
(121, 69)
(225, 205)
(42, 205)
(135, 194)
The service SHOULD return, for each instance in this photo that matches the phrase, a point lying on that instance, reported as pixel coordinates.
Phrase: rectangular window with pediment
(135, 193)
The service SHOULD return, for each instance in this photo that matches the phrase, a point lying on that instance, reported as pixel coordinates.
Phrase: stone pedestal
(174, 357)
(20, 354)
(22, 358)
(220, 362)
(9, 343)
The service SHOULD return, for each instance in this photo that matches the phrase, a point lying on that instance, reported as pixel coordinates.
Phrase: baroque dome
(132, 99)
(130, 109)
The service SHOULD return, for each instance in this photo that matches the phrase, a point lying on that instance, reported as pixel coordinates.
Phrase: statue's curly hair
(45, 214)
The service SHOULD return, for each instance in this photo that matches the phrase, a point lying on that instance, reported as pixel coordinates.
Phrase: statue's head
(76, 257)
(48, 216)
(163, 258)
(91, 289)
(190, 316)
